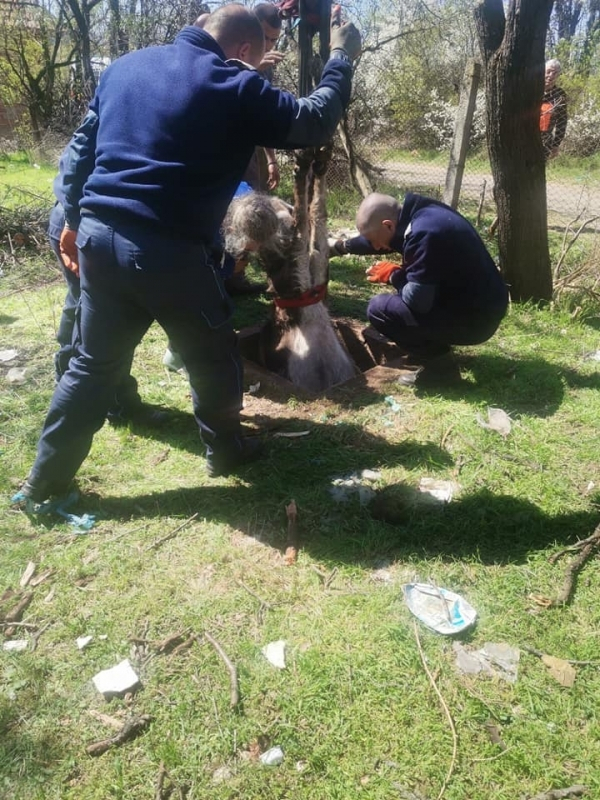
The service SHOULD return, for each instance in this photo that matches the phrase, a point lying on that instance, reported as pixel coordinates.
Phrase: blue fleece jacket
(171, 129)
(446, 267)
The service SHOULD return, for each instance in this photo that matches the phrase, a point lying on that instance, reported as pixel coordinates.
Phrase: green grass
(354, 711)
(21, 181)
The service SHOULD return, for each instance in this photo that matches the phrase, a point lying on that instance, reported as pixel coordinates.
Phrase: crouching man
(448, 289)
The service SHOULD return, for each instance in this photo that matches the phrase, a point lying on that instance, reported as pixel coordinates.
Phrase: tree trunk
(513, 55)
(80, 13)
(119, 40)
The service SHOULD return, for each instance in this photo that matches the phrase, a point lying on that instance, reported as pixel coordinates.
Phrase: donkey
(299, 341)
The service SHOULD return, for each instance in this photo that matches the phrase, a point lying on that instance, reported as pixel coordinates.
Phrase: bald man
(448, 291)
(148, 178)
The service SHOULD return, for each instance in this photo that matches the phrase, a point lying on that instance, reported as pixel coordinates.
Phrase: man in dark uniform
(152, 171)
(448, 289)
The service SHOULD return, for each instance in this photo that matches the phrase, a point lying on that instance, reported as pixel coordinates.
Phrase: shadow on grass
(496, 529)
(493, 529)
(526, 386)
(301, 467)
(592, 322)
(27, 754)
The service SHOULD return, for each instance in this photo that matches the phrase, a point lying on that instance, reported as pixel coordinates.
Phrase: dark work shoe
(239, 285)
(146, 414)
(38, 491)
(438, 373)
(219, 466)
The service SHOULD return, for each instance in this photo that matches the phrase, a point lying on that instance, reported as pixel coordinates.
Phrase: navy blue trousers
(126, 397)
(428, 335)
(128, 278)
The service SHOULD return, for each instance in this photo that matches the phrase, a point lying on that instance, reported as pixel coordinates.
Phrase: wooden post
(462, 128)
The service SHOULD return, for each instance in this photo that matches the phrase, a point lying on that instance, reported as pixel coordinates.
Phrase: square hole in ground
(376, 358)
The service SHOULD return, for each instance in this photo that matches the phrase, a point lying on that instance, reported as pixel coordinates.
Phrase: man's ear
(247, 53)
(244, 52)
(387, 223)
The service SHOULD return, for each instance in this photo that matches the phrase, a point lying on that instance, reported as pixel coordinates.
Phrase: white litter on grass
(594, 356)
(83, 641)
(8, 355)
(493, 658)
(253, 388)
(440, 609)
(272, 757)
(117, 680)
(498, 420)
(15, 645)
(342, 489)
(274, 652)
(16, 376)
(443, 491)
(291, 434)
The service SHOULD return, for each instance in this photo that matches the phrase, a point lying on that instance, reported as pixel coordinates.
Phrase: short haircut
(233, 24)
(269, 13)
(554, 63)
(374, 209)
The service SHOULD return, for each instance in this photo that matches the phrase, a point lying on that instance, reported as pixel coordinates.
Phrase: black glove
(337, 247)
(346, 38)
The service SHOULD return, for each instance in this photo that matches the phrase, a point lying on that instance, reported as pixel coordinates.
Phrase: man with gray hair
(553, 117)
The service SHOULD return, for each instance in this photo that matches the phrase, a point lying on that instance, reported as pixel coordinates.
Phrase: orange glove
(381, 272)
(68, 250)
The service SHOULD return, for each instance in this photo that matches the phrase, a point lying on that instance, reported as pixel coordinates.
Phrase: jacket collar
(201, 39)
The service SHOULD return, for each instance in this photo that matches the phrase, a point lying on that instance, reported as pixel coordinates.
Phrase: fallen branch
(446, 711)
(155, 545)
(16, 612)
(160, 781)
(233, 677)
(256, 596)
(184, 645)
(445, 436)
(587, 548)
(36, 636)
(32, 625)
(561, 794)
(567, 247)
(132, 728)
(170, 643)
(105, 719)
(291, 549)
(535, 652)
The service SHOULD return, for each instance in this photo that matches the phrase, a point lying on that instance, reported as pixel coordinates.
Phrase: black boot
(145, 415)
(220, 465)
(440, 372)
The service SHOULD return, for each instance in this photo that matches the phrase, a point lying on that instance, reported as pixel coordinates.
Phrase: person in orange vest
(554, 117)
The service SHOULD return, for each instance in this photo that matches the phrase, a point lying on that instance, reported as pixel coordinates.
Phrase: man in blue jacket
(448, 289)
(152, 170)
